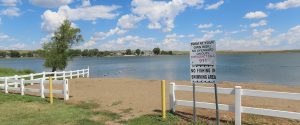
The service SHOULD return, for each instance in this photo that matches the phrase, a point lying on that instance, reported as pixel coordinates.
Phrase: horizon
(120, 25)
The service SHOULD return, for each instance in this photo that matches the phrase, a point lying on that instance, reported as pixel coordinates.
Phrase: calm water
(268, 68)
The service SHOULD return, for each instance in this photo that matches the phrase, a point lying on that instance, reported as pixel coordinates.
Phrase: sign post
(203, 68)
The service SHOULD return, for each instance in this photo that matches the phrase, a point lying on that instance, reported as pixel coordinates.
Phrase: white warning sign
(203, 62)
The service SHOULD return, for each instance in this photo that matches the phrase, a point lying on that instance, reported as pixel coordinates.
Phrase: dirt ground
(134, 97)
(144, 97)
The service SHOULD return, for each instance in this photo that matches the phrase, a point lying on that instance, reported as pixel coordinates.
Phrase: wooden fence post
(64, 75)
(55, 75)
(172, 96)
(237, 105)
(66, 90)
(31, 78)
(5, 85)
(44, 75)
(16, 83)
(77, 73)
(82, 72)
(88, 72)
(42, 88)
(22, 87)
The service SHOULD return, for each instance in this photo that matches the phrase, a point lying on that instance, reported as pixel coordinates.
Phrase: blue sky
(145, 24)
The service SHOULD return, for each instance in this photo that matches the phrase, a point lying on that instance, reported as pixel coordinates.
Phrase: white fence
(17, 83)
(237, 108)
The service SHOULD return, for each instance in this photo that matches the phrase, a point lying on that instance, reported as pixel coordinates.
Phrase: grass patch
(29, 110)
(128, 110)
(11, 72)
(154, 120)
(87, 105)
(116, 103)
(108, 114)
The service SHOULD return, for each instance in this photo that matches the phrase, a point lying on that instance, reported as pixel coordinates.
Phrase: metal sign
(203, 62)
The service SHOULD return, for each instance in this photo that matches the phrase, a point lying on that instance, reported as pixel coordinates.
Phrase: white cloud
(88, 13)
(234, 32)
(18, 46)
(103, 35)
(292, 36)
(130, 42)
(260, 23)
(215, 6)
(86, 3)
(128, 21)
(11, 11)
(208, 35)
(175, 42)
(265, 37)
(161, 14)
(203, 26)
(284, 5)
(255, 15)
(263, 40)
(52, 20)
(4, 37)
(50, 3)
(9, 2)
(125, 23)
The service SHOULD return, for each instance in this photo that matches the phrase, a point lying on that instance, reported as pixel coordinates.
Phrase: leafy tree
(142, 53)
(138, 52)
(170, 53)
(3, 54)
(29, 54)
(156, 51)
(56, 51)
(74, 52)
(39, 53)
(128, 52)
(85, 52)
(14, 54)
(93, 52)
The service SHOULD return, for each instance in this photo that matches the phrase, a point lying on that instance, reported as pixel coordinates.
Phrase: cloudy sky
(145, 24)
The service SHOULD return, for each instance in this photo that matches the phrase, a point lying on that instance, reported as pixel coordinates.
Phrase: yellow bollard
(50, 90)
(163, 99)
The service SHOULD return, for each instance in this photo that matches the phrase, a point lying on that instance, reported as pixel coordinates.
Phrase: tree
(3, 54)
(170, 53)
(29, 54)
(143, 53)
(128, 52)
(56, 51)
(14, 54)
(93, 52)
(138, 51)
(156, 51)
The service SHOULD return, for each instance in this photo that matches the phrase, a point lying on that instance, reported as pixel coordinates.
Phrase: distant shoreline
(175, 53)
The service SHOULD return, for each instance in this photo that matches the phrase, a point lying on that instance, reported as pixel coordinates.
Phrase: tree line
(16, 54)
(84, 53)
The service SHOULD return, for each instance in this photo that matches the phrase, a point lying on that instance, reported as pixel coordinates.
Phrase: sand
(134, 97)
(144, 97)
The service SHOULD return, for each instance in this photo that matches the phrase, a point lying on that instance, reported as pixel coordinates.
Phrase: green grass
(116, 103)
(29, 110)
(126, 111)
(11, 72)
(153, 120)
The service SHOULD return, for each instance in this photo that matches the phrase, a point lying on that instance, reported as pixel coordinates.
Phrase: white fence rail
(237, 108)
(18, 83)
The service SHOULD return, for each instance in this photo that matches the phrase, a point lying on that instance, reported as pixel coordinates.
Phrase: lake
(266, 68)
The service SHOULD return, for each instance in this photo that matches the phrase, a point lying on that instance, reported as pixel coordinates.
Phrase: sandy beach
(141, 97)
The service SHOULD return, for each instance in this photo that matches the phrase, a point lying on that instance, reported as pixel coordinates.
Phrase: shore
(141, 97)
